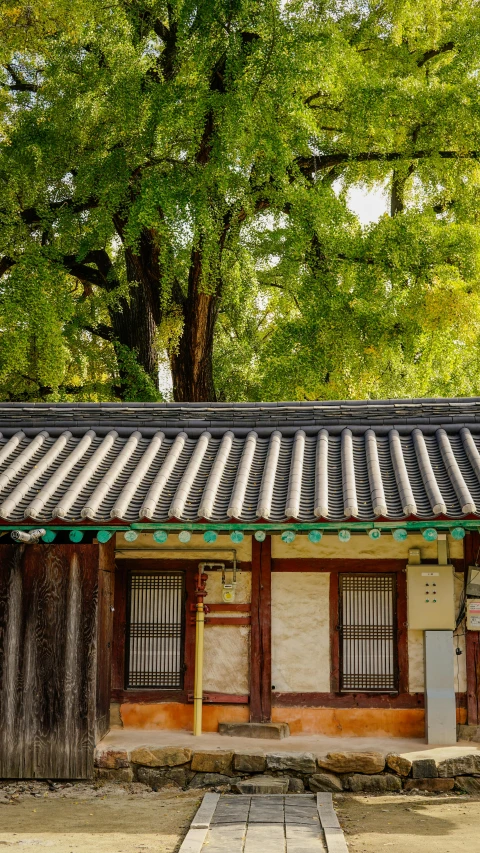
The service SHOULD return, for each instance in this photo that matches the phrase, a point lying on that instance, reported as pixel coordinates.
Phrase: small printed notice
(473, 615)
(430, 574)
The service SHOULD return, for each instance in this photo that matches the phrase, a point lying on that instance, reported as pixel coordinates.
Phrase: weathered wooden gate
(51, 702)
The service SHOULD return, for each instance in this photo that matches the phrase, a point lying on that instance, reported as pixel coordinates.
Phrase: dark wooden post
(261, 633)
(472, 644)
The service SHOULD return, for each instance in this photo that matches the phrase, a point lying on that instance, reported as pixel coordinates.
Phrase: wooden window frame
(398, 568)
(119, 692)
(342, 577)
(141, 572)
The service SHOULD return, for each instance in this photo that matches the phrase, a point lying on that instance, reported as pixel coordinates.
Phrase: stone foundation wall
(226, 770)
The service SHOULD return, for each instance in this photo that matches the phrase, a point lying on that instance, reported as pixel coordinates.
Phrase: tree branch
(100, 277)
(5, 264)
(315, 163)
(19, 84)
(101, 330)
(31, 216)
(430, 54)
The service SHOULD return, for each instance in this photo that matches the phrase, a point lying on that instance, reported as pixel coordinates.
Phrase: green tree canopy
(174, 178)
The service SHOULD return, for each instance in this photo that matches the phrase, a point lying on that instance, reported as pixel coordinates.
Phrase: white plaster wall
(301, 632)
(360, 546)
(459, 641)
(416, 672)
(227, 659)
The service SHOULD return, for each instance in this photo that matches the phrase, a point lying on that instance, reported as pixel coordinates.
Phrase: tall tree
(142, 143)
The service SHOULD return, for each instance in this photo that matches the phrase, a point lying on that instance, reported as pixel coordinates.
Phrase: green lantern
(236, 536)
(430, 534)
(288, 536)
(399, 534)
(160, 536)
(457, 533)
(314, 536)
(75, 535)
(210, 536)
(130, 535)
(104, 536)
(49, 536)
(184, 536)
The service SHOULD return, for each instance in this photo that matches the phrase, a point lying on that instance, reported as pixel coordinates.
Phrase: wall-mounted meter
(431, 597)
(473, 614)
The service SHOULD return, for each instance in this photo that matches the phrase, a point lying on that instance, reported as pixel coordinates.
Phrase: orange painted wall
(174, 715)
(334, 722)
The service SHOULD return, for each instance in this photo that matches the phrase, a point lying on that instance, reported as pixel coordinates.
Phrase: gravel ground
(131, 818)
(410, 824)
(82, 818)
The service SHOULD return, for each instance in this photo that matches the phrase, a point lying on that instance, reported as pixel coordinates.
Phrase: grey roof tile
(307, 461)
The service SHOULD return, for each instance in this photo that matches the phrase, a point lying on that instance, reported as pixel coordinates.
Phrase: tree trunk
(134, 327)
(192, 363)
(135, 319)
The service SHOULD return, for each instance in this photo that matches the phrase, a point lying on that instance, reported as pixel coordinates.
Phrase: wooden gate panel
(48, 624)
(106, 581)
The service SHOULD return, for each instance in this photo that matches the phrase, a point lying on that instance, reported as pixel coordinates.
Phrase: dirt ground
(410, 824)
(82, 818)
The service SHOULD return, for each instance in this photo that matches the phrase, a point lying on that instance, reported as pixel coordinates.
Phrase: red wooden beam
(472, 641)
(261, 633)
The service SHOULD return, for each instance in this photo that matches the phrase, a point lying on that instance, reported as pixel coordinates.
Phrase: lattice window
(368, 635)
(155, 630)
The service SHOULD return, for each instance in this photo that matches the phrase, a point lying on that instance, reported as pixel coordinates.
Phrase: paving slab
(266, 823)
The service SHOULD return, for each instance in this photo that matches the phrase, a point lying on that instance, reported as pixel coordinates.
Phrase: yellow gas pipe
(199, 633)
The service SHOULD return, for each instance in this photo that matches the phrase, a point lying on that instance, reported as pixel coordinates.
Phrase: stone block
(169, 756)
(124, 774)
(469, 784)
(352, 762)
(464, 765)
(215, 761)
(163, 778)
(295, 786)
(435, 786)
(325, 782)
(400, 765)
(262, 785)
(298, 762)
(270, 731)
(249, 762)
(424, 768)
(374, 784)
(112, 759)
(465, 732)
(210, 780)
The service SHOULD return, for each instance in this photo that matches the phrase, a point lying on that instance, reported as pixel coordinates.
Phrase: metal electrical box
(430, 597)
(473, 614)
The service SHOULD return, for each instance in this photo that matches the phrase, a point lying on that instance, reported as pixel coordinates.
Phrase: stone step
(262, 785)
(269, 731)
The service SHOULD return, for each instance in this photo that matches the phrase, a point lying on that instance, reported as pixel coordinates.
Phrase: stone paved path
(294, 823)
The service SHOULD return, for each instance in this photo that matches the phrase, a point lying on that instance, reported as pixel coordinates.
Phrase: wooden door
(106, 578)
(48, 660)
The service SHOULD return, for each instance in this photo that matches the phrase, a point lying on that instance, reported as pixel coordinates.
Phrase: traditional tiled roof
(386, 460)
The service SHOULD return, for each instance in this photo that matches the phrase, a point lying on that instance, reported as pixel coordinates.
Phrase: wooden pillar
(472, 641)
(261, 632)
